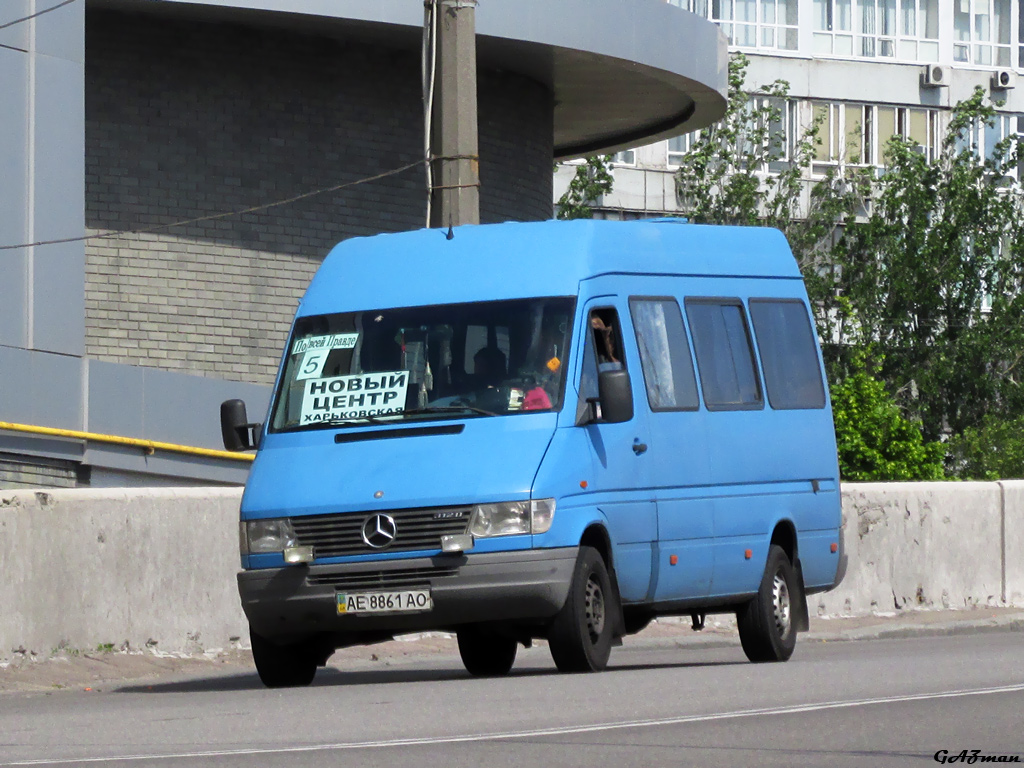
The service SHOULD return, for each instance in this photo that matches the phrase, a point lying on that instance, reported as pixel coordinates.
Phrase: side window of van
(602, 350)
(789, 357)
(725, 357)
(664, 354)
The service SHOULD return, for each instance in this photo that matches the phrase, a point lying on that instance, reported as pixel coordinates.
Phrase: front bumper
(296, 601)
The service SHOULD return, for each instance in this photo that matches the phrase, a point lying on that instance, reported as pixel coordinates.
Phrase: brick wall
(185, 120)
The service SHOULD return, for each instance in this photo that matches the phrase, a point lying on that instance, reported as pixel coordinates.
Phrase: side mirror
(236, 431)
(616, 394)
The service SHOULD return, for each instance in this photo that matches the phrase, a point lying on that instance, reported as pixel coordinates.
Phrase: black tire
(580, 637)
(486, 653)
(767, 623)
(283, 666)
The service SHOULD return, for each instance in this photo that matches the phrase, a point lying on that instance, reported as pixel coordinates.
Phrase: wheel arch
(596, 535)
(784, 535)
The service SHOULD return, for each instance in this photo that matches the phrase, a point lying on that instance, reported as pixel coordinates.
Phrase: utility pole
(455, 175)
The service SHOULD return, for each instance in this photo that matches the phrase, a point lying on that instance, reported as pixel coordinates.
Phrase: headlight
(512, 517)
(263, 536)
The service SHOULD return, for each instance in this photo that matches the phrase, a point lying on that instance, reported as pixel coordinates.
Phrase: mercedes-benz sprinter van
(554, 430)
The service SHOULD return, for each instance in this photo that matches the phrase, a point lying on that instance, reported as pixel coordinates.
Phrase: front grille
(404, 578)
(415, 529)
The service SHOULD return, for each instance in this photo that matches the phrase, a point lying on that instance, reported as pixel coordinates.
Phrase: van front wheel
(767, 623)
(283, 666)
(580, 637)
(485, 653)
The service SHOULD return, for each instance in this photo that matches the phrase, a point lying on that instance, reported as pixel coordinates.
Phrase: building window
(906, 30)
(1020, 33)
(751, 23)
(856, 134)
(918, 38)
(981, 32)
(919, 126)
(625, 157)
(846, 135)
(982, 139)
(778, 136)
(678, 146)
(782, 131)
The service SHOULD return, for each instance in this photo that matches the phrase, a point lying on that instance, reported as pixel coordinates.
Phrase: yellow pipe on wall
(150, 446)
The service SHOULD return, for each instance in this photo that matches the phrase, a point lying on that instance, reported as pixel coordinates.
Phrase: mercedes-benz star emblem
(379, 531)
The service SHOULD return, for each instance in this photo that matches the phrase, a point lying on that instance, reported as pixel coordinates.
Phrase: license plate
(409, 600)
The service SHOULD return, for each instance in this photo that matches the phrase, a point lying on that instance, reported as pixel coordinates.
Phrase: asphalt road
(877, 702)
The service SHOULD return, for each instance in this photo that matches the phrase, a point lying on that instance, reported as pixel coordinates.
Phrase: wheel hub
(594, 607)
(781, 604)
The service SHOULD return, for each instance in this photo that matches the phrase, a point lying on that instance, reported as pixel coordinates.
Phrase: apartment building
(868, 69)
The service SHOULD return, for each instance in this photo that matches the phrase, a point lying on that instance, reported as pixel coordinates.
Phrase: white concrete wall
(90, 566)
(920, 545)
(85, 567)
(1013, 542)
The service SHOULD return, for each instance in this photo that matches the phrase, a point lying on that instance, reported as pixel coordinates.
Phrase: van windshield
(423, 363)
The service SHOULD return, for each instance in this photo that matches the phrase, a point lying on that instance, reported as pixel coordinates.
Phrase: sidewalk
(894, 624)
(97, 671)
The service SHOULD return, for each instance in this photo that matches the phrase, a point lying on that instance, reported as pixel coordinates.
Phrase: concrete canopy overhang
(622, 72)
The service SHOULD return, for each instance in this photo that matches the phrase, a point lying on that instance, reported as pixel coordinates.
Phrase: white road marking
(558, 731)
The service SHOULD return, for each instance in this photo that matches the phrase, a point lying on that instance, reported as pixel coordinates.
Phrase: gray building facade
(127, 116)
(866, 69)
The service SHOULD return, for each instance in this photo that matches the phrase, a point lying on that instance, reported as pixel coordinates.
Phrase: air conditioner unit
(934, 76)
(1002, 79)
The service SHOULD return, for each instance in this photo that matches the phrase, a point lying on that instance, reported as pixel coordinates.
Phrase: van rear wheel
(283, 666)
(580, 637)
(767, 623)
(486, 653)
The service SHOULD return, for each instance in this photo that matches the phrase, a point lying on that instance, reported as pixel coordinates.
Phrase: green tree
(931, 276)
(591, 180)
(875, 441)
(991, 451)
(745, 170)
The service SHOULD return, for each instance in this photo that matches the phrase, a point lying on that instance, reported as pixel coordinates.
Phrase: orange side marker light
(583, 483)
(834, 548)
(673, 559)
(747, 554)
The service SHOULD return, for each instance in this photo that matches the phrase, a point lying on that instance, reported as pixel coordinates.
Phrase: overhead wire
(37, 14)
(215, 216)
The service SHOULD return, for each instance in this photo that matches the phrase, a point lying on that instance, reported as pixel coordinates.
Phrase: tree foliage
(991, 451)
(591, 180)
(874, 439)
(914, 272)
(932, 278)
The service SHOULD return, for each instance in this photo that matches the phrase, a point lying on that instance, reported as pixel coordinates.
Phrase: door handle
(639, 447)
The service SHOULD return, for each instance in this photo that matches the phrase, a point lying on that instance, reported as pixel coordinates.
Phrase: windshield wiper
(449, 409)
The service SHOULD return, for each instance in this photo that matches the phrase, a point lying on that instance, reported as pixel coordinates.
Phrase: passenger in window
(489, 366)
(604, 335)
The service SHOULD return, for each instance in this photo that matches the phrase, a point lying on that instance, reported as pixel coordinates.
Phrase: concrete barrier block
(1013, 541)
(918, 545)
(149, 567)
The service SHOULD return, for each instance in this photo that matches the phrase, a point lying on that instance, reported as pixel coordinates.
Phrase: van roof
(523, 260)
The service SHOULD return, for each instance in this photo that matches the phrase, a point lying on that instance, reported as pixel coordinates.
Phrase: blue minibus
(551, 430)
